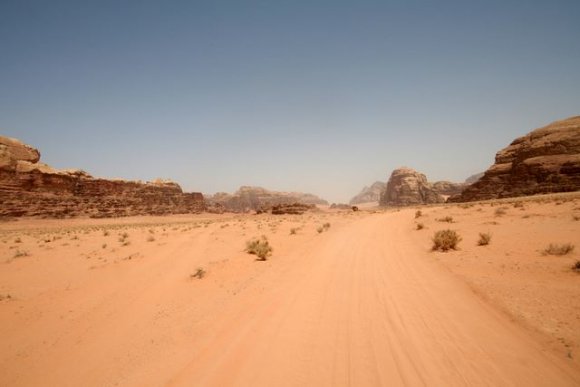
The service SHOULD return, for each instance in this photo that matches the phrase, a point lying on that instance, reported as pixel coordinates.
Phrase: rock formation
(544, 161)
(447, 188)
(30, 188)
(369, 194)
(292, 209)
(408, 187)
(248, 199)
(473, 178)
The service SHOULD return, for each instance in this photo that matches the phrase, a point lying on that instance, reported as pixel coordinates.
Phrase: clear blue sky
(316, 96)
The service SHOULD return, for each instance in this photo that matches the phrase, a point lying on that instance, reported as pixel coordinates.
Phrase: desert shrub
(576, 266)
(259, 247)
(420, 226)
(199, 273)
(555, 249)
(500, 211)
(18, 240)
(326, 226)
(150, 238)
(320, 229)
(20, 253)
(576, 217)
(418, 214)
(293, 231)
(484, 239)
(448, 219)
(104, 246)
(445, 240)
(105, 233)
(518, 205)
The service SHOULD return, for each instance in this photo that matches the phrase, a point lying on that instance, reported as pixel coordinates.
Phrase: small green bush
(555, 249)
(445, 240)
(259, 247)
(484, 239)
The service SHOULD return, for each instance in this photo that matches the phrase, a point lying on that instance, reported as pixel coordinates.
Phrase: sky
(313, 96)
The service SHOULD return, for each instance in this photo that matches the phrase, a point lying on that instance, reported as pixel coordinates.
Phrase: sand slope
(364, 303)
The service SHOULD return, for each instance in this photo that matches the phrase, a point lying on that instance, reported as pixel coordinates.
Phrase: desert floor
(365, 302)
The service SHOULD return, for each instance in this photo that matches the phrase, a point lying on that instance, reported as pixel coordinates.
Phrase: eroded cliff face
(30, 188)
(407, 187)
(369, 194)
(248, 198)
(544, 161)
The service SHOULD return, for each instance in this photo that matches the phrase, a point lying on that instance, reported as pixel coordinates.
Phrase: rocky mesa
(31, 188)
(407, 187)
(545, 160)
(247, 199)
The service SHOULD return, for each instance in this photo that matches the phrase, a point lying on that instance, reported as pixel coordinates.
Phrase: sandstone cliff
(545, 160)
(248, 199)
(447, 188)
(369, 194)
(30, 188)
(408, 187)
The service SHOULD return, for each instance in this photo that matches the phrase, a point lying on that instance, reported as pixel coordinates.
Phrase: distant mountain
(247, 199)
(369, 194)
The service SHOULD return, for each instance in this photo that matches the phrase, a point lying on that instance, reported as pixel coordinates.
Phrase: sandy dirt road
(364, 304)
(368, 308)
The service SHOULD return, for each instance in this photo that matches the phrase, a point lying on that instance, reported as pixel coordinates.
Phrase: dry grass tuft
(418, 214)
(555, 249)
(448, 219)
(259, 247)
(420, 226)
(445, 240)
(484, 239)
(199, 273)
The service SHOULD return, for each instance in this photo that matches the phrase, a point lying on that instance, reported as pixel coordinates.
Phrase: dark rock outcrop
(544, 161)
(408, 187)
(30, 188)
(369, 194)
(291, 209)
(248, 199)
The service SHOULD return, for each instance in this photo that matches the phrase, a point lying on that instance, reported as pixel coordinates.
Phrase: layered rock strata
(545, 160)
(30, 188)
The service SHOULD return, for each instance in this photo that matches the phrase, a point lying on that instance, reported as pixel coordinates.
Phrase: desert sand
(102, 302)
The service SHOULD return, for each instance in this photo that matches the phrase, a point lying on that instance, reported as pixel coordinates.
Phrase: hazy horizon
(323, 97)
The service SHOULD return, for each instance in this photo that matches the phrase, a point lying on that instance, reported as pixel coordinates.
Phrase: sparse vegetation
(555, 249)
(105, 232)
(420, 226)
(199, 273)
(418, 214)
(320, 229)
(293, 231)
(576, 267)
(500, 211)
(150, 238)
(20, 253)
(445, 240)
(259, 247)
(448, 219)
(104, 246)
(484, 239)
(18, 240)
